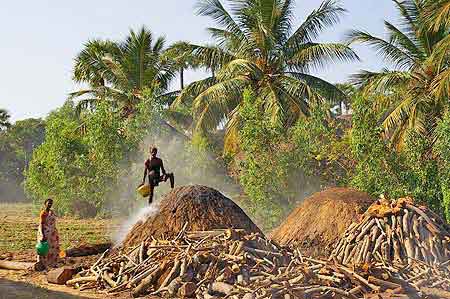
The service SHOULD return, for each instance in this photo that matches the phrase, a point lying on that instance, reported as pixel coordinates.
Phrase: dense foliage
(262, 173)
(17, 143)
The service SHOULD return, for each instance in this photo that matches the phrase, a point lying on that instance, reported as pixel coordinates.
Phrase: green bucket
(42, 248)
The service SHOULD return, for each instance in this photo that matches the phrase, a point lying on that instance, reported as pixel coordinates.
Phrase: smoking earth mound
(200, 207)
(320, 220)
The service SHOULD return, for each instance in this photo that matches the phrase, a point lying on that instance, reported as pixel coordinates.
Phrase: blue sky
(41, 38)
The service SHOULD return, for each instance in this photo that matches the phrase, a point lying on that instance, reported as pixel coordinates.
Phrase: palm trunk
(182, 78)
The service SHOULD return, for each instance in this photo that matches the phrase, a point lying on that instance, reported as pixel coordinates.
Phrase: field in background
(18, 228)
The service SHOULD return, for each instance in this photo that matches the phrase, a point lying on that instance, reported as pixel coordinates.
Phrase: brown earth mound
(321, 219)
(201, 207)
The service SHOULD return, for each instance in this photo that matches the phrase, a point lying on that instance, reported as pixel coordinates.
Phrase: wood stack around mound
(395, 232)
(233, 264)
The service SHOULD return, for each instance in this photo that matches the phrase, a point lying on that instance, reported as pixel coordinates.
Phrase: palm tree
(410, 90)
(4, 120)
(256, 47)
(437, 15)
(119, 72)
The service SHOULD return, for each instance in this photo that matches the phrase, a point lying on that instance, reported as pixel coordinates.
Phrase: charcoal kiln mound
(321, 219)
(202, 208)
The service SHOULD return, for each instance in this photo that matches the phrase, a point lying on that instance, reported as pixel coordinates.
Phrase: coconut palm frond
(321, 87)
(327, 15)
(215, 10)
(213, 105)
(190, 92)
(315, 56)
(382, 82)
(440, 86)
(407, 44)
(387, 50)
(437, 14)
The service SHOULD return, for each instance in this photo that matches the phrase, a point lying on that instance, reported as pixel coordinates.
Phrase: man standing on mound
(153, 167)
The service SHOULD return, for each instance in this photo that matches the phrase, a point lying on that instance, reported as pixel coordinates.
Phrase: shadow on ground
(20, 290)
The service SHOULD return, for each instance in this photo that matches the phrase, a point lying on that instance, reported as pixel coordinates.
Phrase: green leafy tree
(258, 48)
(83, 172)
(320, 146)
(262, 173)
(416, 90)
(442, 150)
(16, 148)
(119, 72)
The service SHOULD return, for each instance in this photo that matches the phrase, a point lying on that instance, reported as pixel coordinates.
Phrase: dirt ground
(24, 285)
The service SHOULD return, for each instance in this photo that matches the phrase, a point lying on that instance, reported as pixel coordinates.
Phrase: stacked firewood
(232, 264)
(395, 232)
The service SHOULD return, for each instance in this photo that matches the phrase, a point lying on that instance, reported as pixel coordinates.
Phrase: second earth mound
(321, 219)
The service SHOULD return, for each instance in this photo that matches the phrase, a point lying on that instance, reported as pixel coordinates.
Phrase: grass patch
(18, 229)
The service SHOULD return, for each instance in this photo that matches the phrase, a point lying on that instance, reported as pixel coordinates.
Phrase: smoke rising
(189, 165)
(141, 215)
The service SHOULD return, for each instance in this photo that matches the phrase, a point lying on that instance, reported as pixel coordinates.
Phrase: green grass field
(18, 229)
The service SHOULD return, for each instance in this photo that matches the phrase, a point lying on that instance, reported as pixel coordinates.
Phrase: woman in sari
(47, 232)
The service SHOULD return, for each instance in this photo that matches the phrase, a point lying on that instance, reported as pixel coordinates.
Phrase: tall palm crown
(415, 91)
(119, 71)
(256, 47)
(4, 119)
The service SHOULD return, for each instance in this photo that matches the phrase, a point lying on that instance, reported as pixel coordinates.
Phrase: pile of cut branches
(233, 264)
(395, 232)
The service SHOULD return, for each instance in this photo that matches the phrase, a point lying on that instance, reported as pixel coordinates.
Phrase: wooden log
(405, 222)
(221, 287)
(172, 274)
(108, 279)
(435, 293)
(330, 289)
(10, 265)
(142, 250)
(384, 283)
(415, 227)
(148, 281)
(365, 229)
(433, 227)
(397, 252)
(352, 254)
(174, 285)
(393, 222)
(187, 290)
(87, 250)
(81, 280)
(348, 249)
(374, 234)
(61, 275)
(399, 228)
